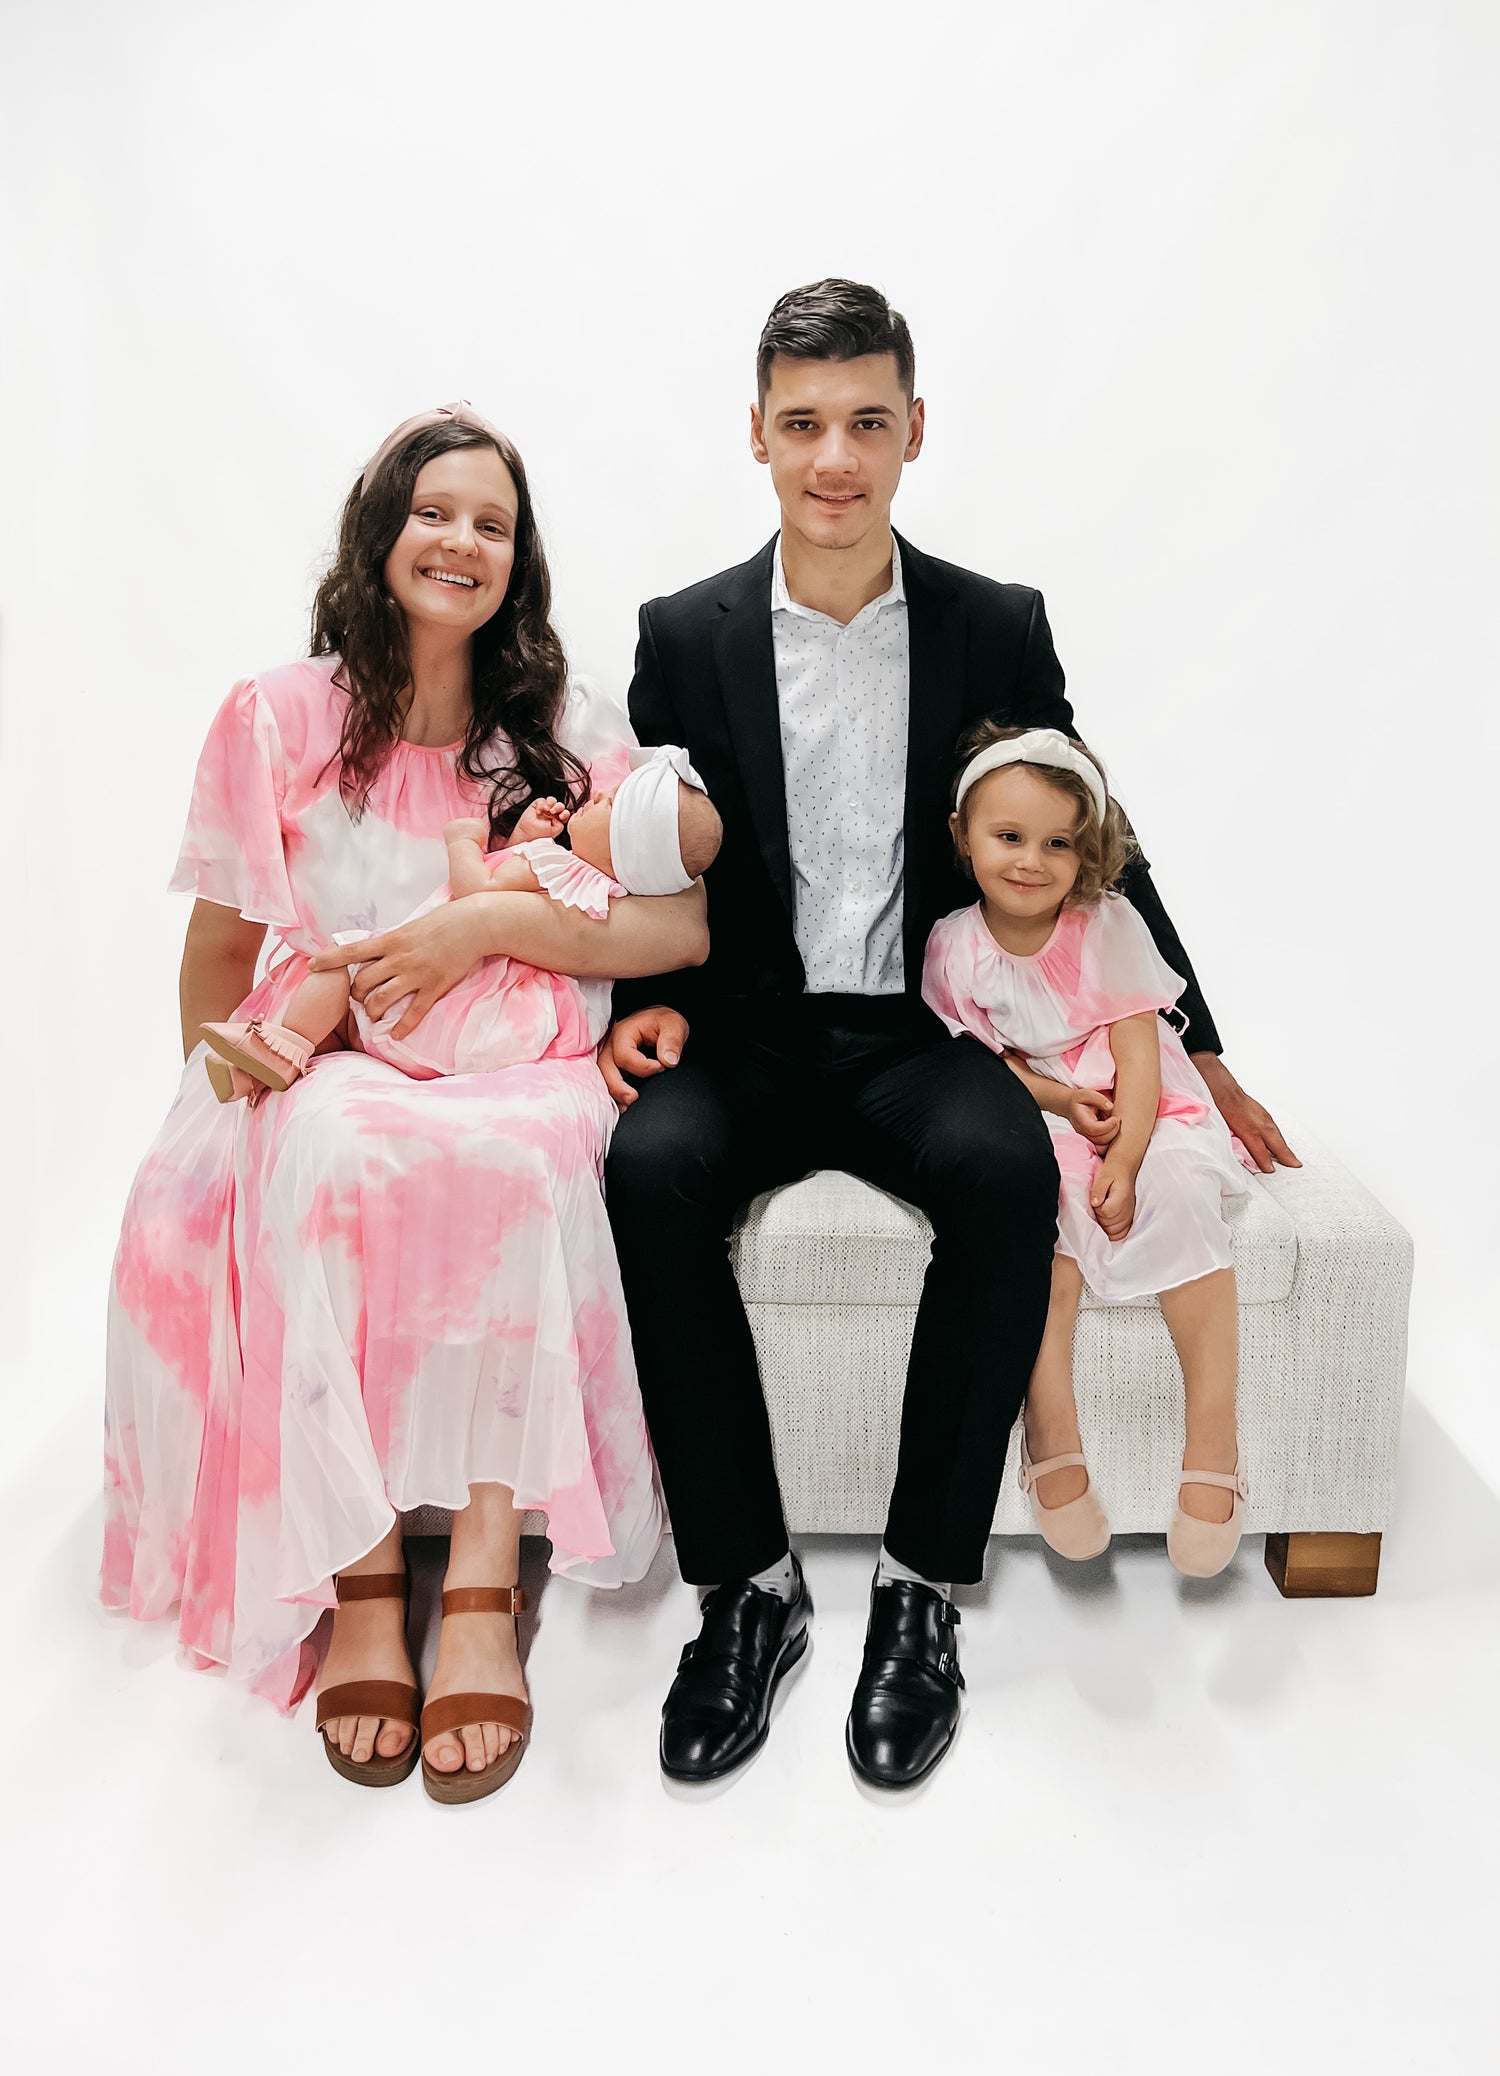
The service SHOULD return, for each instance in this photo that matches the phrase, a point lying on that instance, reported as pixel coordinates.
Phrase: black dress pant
(768, 1091)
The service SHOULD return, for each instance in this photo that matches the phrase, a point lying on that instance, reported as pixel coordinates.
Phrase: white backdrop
(1205, 312)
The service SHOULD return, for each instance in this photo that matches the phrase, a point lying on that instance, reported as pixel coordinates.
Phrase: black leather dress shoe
(718, 1708)
(906, 1698)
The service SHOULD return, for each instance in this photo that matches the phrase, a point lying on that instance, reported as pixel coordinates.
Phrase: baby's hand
(1112, 1198)
(470, 830)
(543, 818)
(1092, 1114)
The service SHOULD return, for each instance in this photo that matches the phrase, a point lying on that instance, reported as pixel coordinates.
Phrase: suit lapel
(747, 684)
(935, 630)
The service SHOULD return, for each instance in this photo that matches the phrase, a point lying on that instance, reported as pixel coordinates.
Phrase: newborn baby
(654, 833)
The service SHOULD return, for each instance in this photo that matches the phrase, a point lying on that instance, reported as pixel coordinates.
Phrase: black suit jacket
(705, 676)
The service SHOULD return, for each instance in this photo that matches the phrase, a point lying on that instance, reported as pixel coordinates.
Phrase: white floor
(1181, 1827)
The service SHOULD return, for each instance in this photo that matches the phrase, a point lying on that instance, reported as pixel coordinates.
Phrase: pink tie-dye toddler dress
(1055, 1008)
(370, 1292)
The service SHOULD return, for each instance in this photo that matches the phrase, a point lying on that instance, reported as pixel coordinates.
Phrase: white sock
(890, 1568)
(779, 1578)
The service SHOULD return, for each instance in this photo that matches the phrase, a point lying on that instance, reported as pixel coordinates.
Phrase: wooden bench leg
(1316, 1567)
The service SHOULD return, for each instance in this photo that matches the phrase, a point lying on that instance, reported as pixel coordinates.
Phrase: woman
(372, 1292)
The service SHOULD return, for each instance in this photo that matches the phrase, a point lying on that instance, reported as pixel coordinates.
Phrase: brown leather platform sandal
(392, 1699)
(454, 1710)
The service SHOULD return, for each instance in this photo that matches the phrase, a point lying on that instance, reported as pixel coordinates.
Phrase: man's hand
(1091, 1113)
(423, 959)
(1251, 1122)
(1112, 1198)
(640, 1045)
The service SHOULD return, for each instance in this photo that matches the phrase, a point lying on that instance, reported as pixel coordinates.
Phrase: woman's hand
(1112, 1198)
(423, 959)
(1091, 1113)
(623, 1049)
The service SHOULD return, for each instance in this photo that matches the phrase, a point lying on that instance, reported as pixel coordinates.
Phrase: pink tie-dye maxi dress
(370, 1292)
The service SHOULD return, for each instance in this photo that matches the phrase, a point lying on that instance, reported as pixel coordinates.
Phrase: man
(821, 689)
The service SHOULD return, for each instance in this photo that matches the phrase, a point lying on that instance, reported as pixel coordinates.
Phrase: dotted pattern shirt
(843, 694)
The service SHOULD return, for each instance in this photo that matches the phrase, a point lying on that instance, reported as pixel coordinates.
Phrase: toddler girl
(1058, 973)
(654, 833)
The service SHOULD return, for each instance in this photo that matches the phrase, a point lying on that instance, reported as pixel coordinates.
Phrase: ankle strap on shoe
(369, 1585)
(485, 1600)
(1029, 1472)
(1231, 1481)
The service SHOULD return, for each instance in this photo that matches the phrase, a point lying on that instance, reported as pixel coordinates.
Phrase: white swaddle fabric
(643, 838)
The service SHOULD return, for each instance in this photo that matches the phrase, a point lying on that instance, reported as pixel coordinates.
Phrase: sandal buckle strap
(486, 1600)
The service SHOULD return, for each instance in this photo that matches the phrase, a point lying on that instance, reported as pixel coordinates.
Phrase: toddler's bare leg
(1051, 1411)
(1204, 1322)
(319, 1005)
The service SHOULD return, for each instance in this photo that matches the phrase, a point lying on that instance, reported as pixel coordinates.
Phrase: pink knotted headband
(461, 413)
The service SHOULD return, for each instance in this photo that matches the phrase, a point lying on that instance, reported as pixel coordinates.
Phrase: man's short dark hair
(834, 320)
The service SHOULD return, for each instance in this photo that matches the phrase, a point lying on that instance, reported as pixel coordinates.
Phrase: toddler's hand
(468, 830)
(542, 818)
(1112, 1199)
(1091, 1113)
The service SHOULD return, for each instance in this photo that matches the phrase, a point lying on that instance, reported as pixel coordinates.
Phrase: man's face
(836, 434)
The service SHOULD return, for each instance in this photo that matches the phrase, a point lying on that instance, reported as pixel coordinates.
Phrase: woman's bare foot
(477, 1654)
(369, 1643)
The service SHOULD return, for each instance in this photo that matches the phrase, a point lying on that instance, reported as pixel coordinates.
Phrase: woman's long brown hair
(519, 671)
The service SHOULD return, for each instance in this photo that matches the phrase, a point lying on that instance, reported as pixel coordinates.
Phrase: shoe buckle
(947, 1665)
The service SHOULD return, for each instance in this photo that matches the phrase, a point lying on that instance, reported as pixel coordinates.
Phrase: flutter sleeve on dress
(948, 979)
(569, 879)
(1120, 971)
(233, 851)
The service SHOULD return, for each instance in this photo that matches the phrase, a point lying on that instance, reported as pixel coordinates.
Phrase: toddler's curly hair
(1104, 843)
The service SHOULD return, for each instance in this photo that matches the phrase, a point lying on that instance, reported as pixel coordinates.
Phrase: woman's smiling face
(452, 560)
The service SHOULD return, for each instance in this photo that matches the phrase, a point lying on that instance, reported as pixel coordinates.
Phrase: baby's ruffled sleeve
(233, 851)
(572, 881)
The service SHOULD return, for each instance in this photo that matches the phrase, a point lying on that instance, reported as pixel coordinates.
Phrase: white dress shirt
(843, 695)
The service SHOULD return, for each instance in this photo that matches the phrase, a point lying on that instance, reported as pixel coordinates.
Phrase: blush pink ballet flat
(1201, 1549)
(1080, 1528)
(257, 1054)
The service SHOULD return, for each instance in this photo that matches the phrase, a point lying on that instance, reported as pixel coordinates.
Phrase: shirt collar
(783, 602)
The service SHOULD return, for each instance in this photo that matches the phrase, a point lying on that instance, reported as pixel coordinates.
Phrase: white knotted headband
(1036, 746)
(643, 833)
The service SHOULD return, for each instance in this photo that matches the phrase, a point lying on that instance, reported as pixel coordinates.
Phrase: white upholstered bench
(831, 1271)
